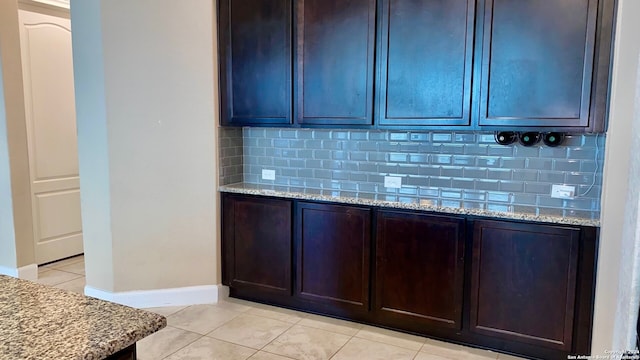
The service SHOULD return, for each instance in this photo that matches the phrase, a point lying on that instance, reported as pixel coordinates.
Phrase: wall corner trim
(29, 272)
(184, 296)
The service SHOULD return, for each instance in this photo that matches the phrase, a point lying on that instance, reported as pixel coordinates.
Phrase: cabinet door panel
(419, 268)
(523, 282)
(255, 61)
(334, 59)
(257, 244)
(425, 57)
(333, 249)
(537, 62)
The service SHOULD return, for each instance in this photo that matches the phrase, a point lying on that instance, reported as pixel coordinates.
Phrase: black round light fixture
(505, 137)
(529, 138)
(553, 139)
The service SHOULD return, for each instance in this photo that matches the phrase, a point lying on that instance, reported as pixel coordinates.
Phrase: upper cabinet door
(255, 62)
(335, 41)
(537, 62)
(425, 57)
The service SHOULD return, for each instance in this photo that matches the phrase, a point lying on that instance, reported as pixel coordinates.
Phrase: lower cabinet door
(419, 270)
(257, 246)
(333, 251)
(523, 282)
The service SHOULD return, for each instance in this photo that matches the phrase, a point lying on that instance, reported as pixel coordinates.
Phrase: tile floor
(236, 330)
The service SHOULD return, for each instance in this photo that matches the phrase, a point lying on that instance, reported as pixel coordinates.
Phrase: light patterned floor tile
(235, 304)
(252, 326)
(249, 330)
(395, 338)
(426, 356)
(453, 351)
(201, 319)
(360, 349)
(262, 355)
(276, 313)
(163, 343)
(75, 285)
(165, 310)
(55, 277)
(207, 348)
(305, 343)
(330, 324)
(76, 268)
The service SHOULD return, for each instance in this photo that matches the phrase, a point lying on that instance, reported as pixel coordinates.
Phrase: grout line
(341, 347)
(68, 281)
(272, 353)
(64, 281)
(274, 339)
(221, 325)
(186, 344)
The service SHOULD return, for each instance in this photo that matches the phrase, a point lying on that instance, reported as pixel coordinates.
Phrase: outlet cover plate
(563, 191)
(394, 182)
(268, 174)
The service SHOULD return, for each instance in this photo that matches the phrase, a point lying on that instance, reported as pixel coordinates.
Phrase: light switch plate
(393, 182)
(563, 191)
(268, 174)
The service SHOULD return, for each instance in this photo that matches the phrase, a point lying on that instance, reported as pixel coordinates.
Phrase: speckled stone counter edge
(250, 189)
(29, 318)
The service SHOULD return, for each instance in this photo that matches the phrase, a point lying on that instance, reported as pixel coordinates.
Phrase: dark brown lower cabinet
(128, 353)
(523, 282)
(257, 245)
(419, 270)
(333, 256)
(512, 286)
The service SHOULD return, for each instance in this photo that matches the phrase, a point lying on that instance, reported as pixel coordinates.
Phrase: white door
(51, 127)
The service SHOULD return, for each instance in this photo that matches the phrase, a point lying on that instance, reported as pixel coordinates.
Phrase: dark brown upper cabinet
(409, 64)
(523, 282)
(537, 63)
(255, 62)
(335, 42)
(425, 55)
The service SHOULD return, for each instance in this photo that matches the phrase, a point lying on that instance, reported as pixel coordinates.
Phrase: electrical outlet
(563, 191)
(268, 174)
(392, 182)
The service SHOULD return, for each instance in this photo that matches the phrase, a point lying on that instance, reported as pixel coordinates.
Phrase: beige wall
(16, 139)
(216, 109)
(614, 323)
(151, 144)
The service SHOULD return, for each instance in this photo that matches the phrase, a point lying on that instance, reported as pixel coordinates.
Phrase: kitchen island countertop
(40, 322)
(372, 200)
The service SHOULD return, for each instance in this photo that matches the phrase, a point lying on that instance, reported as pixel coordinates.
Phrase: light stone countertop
(370, 200)
(38, 322)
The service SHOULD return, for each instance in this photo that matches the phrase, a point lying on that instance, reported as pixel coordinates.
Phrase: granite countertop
(370, 200)
(41, 322)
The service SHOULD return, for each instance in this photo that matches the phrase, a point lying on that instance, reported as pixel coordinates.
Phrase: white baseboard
(192, 295)
(29, 272)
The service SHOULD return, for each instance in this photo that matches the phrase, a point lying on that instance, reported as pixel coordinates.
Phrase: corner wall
(16, 207)
(147, 137)
(617, 288)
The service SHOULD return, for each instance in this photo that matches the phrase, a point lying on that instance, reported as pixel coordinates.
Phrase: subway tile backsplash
(230, 149)
(447, 168)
